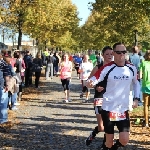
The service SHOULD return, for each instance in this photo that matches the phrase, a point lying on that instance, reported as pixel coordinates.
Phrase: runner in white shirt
(98, 96)
(118, 76)
(85, 70)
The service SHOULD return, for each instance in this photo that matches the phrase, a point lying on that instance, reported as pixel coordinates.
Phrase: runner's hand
(135, 104)
(69, 78)
(89, 83)
(99, 88)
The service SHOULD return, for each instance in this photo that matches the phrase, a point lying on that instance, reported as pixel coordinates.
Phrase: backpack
(28, 61)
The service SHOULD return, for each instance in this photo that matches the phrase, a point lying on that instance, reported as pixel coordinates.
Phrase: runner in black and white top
(98, 96)
(117, 76)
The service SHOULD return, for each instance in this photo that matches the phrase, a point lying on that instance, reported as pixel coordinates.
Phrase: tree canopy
(57, 23)
(45, 20)
(117, 20)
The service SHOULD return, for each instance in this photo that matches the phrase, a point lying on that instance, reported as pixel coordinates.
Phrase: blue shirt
(135, 60)
(28, 61)
(78, 60)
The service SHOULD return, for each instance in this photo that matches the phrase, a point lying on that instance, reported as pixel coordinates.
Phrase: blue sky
(83, 10)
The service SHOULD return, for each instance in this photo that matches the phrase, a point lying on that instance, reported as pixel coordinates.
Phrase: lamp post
(135, 37)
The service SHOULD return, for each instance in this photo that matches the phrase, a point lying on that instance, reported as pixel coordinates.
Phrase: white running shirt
(117, 82)
(86, 68)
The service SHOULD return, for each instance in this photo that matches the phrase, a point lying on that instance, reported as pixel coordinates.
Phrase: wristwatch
(136, 98)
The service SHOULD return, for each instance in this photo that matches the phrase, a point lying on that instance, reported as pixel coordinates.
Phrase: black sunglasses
(119, 52)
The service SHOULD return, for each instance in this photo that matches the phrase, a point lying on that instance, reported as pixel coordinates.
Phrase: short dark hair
(115, 45)
(106, 48)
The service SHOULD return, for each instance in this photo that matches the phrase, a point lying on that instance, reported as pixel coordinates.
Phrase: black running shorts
(98, 109)
(123, 125)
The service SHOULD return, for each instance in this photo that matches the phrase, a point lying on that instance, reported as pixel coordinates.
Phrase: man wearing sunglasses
(117, 77)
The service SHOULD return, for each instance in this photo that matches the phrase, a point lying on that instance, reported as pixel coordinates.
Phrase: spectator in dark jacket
(28, 70)
(37, 67)
(5, 74)
(56, 63)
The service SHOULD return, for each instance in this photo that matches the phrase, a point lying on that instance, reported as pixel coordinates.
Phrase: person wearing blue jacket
(77, 62)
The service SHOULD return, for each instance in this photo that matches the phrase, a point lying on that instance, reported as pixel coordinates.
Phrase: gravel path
(46, 123)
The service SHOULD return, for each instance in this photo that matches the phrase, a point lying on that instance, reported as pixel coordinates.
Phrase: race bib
(98, 101)
(117, 116)
(66, 74)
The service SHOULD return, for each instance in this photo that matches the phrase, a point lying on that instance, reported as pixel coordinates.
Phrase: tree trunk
(36, 42)
(19, 31)
(19, 38)
(45, 43)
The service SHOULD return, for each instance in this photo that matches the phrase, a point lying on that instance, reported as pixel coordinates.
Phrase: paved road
(46, 123)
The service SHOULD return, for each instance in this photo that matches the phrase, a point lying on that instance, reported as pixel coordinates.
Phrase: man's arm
(140, 74)
(80, 68)
(136, 89)
(96, 78)
(140, 71)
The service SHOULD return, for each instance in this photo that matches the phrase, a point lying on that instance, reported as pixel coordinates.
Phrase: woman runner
(98, 96)
(65, 75)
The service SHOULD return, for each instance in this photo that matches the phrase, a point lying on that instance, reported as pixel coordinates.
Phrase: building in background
(3, 46)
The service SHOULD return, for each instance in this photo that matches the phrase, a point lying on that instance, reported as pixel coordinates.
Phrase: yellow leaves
(114, 20)
(139, 133)
(43, 18)
(66, 41)
(1, 20)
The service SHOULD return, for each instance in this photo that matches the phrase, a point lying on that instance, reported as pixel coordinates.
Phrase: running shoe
(14, 108)
(69, 100)
(81, 95)
(137, 122)
(144, 124)
(147, 125)
(16, 104)
(66, 101)
(88, 141)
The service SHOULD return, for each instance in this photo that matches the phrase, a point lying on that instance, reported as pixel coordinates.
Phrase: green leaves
(115, 20)
(42, 19)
